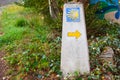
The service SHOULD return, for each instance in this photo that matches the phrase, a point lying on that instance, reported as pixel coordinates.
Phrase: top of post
(74, 2)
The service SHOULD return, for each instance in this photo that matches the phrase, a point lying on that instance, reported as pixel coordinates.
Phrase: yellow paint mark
(75, 34)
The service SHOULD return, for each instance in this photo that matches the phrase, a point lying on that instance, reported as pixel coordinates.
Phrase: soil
(3, 65)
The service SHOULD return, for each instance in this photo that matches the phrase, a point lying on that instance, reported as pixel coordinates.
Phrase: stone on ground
(107, 55)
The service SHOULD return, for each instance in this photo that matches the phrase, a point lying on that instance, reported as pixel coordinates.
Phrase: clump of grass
(21, 22)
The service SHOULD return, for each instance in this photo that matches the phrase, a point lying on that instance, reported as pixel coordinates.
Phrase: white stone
(74, 53)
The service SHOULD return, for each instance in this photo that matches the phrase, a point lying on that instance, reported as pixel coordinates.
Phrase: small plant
(21, 22)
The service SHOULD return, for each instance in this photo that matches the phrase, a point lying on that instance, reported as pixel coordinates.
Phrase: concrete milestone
(74, 53)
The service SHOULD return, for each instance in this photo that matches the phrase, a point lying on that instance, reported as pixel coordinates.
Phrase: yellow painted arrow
(75, 34)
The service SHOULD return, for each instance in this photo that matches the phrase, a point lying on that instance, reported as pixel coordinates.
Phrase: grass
(8, 20)
(26, 42)
(33, 48)
(16, 25)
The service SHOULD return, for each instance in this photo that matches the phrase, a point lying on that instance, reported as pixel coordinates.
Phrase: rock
(107, 55)
(108, 52)
(107, 77)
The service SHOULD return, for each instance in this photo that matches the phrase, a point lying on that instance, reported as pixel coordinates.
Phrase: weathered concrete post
(74, 53)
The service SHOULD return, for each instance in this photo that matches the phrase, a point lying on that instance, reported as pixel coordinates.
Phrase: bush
(42, 7)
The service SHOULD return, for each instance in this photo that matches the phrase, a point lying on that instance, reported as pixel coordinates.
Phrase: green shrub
(39, 5)
(42, 7)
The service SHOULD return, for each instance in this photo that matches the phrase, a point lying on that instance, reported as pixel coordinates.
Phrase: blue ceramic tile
(73, 14)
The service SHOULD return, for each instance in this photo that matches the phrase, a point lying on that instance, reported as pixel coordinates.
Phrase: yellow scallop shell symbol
(73, 14)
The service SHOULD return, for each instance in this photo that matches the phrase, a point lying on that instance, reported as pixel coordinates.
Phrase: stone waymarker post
(74, 53)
